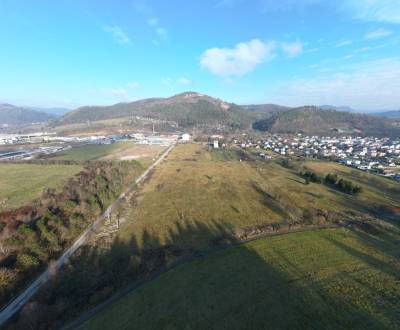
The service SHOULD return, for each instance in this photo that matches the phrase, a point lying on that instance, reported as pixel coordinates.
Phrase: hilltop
(188, 109)
(313, 120)
(13, 115)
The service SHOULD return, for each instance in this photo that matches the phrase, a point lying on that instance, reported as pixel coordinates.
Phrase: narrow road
(23, 298)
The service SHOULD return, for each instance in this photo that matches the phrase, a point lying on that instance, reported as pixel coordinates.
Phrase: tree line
(332, 180)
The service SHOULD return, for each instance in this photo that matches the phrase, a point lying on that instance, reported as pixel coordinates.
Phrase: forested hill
(187, 110)
(12, 115)
(313, 120)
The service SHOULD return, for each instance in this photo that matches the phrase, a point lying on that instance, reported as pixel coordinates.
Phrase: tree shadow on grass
(233, 288)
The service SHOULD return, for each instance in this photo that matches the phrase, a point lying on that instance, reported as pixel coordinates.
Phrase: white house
(185, 137)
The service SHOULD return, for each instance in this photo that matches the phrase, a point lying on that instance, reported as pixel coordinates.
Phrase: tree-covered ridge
(187, 110)
(313, 120)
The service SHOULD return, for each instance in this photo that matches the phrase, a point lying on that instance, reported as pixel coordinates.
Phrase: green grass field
(210, 187)
(21, 183)
(88, 152)
(124, 150)
(329, 279)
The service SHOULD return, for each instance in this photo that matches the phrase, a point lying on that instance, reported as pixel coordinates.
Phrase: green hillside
(312, 120)
(186, 110)
(331, 279)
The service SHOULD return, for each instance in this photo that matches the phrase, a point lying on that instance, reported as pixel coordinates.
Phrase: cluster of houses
(381, 155)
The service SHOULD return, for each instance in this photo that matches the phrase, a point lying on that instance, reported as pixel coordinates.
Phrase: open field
(21, 183)
(214, 186)
(330, 279)
(115, 151)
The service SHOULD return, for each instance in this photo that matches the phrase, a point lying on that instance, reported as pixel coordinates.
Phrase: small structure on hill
(185, 137)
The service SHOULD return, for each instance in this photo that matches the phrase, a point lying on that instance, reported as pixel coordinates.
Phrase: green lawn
(331, 279)
(88, 152)
(21, 183)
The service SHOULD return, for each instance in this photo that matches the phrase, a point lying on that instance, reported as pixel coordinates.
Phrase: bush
(310, 176)
(26, 261)
(331, 178)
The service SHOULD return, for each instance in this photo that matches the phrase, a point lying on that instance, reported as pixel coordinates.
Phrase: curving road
(23, 298)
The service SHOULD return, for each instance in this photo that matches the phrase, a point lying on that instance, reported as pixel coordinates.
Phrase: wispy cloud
(160, 30)
(237, 61)
(344, 43)
(293, 49)
(142, 7)
(184, 81)
(379, 33)
(118, 34)
(166, 81)
(368, 85)
(374, 10)
(227, 3)
(134, 85)
(286, 5)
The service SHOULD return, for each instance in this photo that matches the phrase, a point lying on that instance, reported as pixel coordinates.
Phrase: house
(215, 144)
(185, 137)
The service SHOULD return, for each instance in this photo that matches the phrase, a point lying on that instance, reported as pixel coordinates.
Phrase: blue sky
(291, 52)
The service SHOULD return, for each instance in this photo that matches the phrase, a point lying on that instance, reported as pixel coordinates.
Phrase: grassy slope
(331, 279)
(21, 183)
(195, 185)
(192, 186)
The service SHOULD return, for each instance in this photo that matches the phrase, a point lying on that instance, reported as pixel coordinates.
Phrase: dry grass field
(212, 187)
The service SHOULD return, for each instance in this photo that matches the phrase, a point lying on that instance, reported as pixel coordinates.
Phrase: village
(377, 155)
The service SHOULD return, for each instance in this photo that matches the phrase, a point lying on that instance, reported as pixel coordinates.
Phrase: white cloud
(344, 43)
(286, 5)
(152, 21)
(237, 61)
(118, 34)
(227, 3)
(166, 81)
(379, 33)
(369, 85)
(134, 85)
(184, 81)
(374, 10)
(293, 49)
(161, 32)
(119, 93)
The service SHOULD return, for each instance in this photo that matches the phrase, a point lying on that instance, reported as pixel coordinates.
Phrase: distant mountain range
(195, 110)
(314, 120)
(388, 114)
(57, 112)
(12, 115)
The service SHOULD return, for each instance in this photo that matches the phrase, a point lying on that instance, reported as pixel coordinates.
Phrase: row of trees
(34, 235)
(332, 180)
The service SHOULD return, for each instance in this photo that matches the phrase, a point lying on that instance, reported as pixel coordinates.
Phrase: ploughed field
(21, 183)
(329, 279)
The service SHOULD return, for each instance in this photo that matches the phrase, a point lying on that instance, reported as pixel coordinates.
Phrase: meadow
(116, 151)
(330, 279)
(21, 183)
(196, 184)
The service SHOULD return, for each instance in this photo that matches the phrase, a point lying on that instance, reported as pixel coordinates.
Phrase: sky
(69, 53)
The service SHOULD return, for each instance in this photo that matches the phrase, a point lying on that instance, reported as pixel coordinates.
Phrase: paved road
(22, 299)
